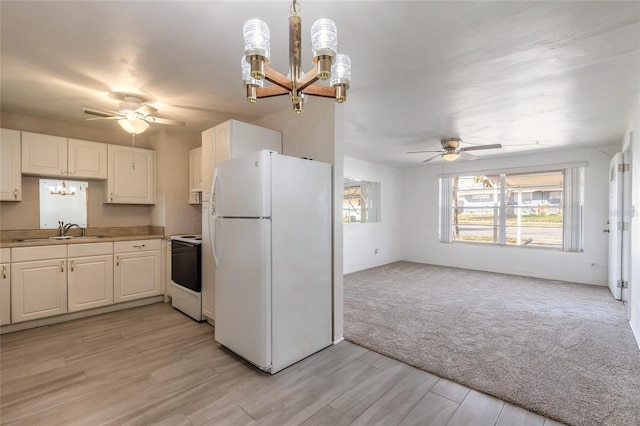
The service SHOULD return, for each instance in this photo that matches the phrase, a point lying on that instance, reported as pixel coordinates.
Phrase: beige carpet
(560, 349)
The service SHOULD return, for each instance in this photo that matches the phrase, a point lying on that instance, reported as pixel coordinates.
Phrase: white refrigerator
(270, 226)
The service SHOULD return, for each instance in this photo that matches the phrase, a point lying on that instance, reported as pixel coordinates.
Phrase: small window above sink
(63, 200)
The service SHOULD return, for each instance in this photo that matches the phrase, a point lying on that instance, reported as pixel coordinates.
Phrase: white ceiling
(529, 75)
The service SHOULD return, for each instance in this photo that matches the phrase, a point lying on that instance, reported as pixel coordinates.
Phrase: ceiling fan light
(135, 126)
(450, 156)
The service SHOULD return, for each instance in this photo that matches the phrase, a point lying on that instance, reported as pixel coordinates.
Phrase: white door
(619, 241)
(137, 275)
(241, 186)
(38, 289)
(243, 288)
(90, 282)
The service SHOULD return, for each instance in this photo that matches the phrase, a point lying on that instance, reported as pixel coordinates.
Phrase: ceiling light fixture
(132, 124)
(450, 155)
(329, 64)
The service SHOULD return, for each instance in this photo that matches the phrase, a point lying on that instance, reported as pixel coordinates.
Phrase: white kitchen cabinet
(10, 166)
(232, 139)
(131, 176)
(195, 176)
(38, 282)
(87, 159)
(208, 160)
(90, 276)
(48, 155)
(226, 140)
(5, 286)
(137, 270)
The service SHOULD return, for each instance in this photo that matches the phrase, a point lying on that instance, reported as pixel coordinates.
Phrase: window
(532, 208)
(361, 201)
(63, 200)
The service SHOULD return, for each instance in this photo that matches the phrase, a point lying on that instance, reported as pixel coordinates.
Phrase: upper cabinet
(131, 177)
(232, 139)
(48, 155)
(87, 159)
(195, 176)
(207, 157)
(10, 175)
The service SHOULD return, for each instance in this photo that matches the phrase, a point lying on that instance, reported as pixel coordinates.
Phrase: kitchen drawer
(25, 254)
(137, 245)
(5, 255)
(92, 249)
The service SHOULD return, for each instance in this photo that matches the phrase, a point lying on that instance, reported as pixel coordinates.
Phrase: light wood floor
(155, 366)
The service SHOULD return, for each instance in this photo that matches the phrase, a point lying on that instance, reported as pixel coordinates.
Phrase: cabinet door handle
(15, 194)
(111, 195)
(64, 172)
(138, 246)
(71, 265)
(117, 260)
(62, 266)
(4, 272)
(72, 173)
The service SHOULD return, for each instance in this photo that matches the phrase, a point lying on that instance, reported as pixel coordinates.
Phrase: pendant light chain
(133, 151)
(295, 8)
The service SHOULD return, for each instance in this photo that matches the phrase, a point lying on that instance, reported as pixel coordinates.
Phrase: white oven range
(186, 275)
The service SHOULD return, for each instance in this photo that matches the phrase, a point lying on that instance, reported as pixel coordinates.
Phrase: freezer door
(243, 288)
(243, 186)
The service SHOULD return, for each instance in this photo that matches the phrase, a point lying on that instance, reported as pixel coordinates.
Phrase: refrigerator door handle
(213, 233)
(212, 194)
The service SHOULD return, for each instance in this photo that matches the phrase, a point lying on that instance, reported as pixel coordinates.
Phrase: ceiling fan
(132, 115)
(451, 151)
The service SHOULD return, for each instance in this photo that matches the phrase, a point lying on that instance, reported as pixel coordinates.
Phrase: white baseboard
(636, 332)
(77, 315)
(338, 340)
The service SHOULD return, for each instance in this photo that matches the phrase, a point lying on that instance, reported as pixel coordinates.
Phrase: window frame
(573, 204)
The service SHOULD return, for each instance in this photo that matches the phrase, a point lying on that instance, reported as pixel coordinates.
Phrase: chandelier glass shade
(329, 65)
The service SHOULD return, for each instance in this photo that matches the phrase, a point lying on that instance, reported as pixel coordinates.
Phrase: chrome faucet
(65, 228)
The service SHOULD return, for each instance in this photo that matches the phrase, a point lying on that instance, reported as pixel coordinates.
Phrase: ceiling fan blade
(104, 118)
(420, 152)
(466, 156)
(163, 121)
(101, 113)
(146, 110)
(434, 157)
(475, 148)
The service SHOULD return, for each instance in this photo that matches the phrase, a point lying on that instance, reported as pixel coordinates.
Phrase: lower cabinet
(44, 281)
(5, 286)
(90, 276)
(38, 287)
(137, 270)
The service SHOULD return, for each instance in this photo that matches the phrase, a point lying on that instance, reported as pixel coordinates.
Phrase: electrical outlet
(375, 251)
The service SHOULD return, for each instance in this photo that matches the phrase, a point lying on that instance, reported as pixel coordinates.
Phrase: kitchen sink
(66, 237)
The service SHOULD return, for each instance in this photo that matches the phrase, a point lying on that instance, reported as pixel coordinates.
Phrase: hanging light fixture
(329, 64)
(62, 190)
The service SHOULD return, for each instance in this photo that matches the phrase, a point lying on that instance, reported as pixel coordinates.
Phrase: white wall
(361, 239)
(421, 216)
(634, 282)
(318, 134)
